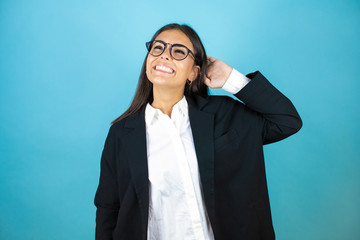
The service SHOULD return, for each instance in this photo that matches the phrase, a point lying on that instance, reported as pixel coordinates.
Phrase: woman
(180, 164)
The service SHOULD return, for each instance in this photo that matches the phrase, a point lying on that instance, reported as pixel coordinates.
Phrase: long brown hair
(144, 91)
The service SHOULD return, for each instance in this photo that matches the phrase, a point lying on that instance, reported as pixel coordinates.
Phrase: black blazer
(228, 137)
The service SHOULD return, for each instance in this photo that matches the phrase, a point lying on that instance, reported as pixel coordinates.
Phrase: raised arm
(278, 115)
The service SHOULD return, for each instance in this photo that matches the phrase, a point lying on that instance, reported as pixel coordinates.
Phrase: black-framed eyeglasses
(177, 51)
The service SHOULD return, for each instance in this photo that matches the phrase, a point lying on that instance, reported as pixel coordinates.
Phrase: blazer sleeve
(106, 197)
(278, 115)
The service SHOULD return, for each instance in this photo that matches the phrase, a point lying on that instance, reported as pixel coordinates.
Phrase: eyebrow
(174, 43)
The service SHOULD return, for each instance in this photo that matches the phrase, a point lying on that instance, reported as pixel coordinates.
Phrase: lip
(162, 64)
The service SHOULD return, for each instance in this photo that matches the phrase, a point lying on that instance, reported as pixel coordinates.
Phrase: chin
(160, 80)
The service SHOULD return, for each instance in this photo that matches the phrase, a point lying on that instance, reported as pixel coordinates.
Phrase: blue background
(68, 68)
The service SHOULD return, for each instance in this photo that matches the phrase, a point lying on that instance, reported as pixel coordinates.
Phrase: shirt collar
(152, 114)
(182, 107)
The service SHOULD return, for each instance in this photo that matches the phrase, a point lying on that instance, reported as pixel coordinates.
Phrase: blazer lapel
(135, 146)
(202, 127)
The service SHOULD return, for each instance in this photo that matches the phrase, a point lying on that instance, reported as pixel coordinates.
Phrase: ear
(194, 73)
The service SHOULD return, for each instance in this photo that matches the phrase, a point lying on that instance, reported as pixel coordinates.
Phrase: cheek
(186, 70)
(148, 64)
(149, 70)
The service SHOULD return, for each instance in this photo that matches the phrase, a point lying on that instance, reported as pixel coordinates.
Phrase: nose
(166, 54)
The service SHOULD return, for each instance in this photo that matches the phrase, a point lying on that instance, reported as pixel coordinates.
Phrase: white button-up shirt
(176, 204)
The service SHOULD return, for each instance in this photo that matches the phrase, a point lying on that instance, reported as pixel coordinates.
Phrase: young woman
(180, 164)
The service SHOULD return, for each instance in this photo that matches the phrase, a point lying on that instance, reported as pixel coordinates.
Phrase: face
(164, 71)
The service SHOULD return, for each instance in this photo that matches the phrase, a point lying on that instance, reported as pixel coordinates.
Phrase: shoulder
(123, 126)
(228, 109)
(222, 104)
(222, 99)
(210, 101)
(119, 128)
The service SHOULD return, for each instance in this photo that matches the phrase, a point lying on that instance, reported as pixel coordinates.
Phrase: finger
(211, 59)
(207, 81)
(208, 73)
(210, 67)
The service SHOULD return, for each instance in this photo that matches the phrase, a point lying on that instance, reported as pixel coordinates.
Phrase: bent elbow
(298, 124)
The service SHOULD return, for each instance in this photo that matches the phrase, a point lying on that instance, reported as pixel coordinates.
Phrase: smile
(164, 68)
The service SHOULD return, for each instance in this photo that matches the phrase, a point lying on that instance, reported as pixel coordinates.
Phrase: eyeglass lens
(178, 52)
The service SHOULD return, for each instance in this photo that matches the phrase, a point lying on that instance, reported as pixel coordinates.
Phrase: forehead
(175, 36)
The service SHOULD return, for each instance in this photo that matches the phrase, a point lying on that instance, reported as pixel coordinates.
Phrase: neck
(166, 99)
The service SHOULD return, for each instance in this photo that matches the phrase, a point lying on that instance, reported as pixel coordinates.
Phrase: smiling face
(164, 71)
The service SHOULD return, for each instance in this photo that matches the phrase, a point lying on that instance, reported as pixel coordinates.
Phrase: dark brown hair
(144, 91)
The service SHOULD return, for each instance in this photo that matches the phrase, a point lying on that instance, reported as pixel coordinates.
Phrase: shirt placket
(186, 179)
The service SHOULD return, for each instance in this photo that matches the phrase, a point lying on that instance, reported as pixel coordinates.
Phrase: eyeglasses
(177, 51)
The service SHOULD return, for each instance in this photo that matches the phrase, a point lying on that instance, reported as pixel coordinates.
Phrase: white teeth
(163, 68)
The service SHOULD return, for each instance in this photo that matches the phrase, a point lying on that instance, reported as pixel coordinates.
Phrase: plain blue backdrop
(68, 68)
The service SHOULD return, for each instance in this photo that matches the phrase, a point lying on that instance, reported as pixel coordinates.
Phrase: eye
(158, 47)
(180, 51)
